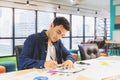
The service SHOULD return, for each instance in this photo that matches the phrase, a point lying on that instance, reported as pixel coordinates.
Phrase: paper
(97, 70)
(54, 74)
(114, 77)
(74, 70)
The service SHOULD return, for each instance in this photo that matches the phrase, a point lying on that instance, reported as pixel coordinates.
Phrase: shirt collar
(44, 35)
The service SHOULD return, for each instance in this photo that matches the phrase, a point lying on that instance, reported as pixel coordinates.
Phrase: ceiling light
(27, 3)
(96, 12)
(78, 10)
(75, 2)
(58, 7)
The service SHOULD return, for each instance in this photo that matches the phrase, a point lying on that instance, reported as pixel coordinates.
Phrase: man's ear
(52, 25)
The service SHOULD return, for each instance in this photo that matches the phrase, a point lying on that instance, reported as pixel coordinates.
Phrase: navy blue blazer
(33, 54)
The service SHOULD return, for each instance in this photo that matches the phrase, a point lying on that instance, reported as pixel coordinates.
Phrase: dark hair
(62, 21)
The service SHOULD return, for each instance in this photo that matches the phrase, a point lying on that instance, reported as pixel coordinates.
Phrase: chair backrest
(88, 51)
(18, 49)
(2, 69)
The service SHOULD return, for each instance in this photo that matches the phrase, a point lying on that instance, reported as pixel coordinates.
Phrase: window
(66, 43)
(5, 22)
(100, 27)
(19, 41)
(108, 28)
(77, 25)
(44, 20)
(89, 26)
(89, 39)
(75, 42)
(6, 32)
(6, 47)
(25, 25)
(77, 31)
(24, 22)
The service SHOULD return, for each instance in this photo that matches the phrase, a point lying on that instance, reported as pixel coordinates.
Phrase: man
(45, 49)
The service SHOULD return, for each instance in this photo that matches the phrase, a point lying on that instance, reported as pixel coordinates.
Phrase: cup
(41, 78)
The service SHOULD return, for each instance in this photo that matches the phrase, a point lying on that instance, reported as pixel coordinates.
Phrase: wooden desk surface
(14, 75)
(112, 42)
(99, 69)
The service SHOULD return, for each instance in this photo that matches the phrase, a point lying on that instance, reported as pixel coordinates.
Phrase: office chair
(88, 51)
(18, 50)
(9, 66)
(2, 69)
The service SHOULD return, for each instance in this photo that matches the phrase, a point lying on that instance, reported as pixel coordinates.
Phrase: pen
(51, 58)
(79, 70)
(83, 63)
(64, 71)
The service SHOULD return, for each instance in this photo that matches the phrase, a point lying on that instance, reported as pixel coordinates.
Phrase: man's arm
(68, 58)
(26, 58)
(66, 54)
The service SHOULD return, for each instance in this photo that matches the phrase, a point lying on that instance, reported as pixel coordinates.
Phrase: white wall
(116, 36)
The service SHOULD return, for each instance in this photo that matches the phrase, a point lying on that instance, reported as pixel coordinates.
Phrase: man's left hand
(68, 64)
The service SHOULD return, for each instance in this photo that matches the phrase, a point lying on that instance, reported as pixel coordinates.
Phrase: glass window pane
(19, 41)
(63, 15)
(99, 26)
(5, 22)
(89, 26)
(67, 17)
(44, 20)
(77, 25)
(108, 38)
(89, 39)
(99, 37)
(65, 42)
(108, 27)
(75, 42)
(6, 47)
(24, 22)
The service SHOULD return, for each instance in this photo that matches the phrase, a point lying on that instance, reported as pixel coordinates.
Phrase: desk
(113, 46)
(99, 69)
(112, 42)
(102, 68)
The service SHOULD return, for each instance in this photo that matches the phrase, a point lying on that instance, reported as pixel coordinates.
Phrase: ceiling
(90, 4)
(93, 5)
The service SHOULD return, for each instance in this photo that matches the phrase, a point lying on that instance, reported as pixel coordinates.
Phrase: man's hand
(68, 64)
(50, 64)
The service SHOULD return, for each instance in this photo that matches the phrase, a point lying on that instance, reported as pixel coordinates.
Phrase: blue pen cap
(41, 78)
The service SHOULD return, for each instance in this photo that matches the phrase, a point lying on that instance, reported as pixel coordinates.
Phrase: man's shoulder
(35, 35)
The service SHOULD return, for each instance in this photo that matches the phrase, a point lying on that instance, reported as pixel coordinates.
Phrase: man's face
(56, 32)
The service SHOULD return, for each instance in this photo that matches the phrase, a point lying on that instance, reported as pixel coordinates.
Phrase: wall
(114, 13)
